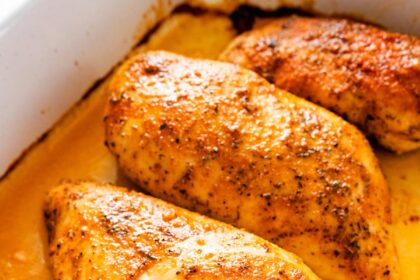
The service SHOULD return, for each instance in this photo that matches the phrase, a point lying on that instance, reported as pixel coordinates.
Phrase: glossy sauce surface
(75, 150)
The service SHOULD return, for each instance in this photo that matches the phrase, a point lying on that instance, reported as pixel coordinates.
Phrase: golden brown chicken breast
(369, 76)
(221, 140)
(105, 232)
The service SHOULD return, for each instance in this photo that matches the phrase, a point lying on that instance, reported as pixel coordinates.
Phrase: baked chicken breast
(105, 232)
(219, 139)
(369, 76)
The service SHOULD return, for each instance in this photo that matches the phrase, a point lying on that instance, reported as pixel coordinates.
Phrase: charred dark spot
(192, 269)
(414, 218)
(216, 109)
(238, 215)
(279, 157)
(272, 43)
(277, 185)
(114, 99)
(187, 175)
(340, 213)
(267, 197)
(370, 117)
(47, 214)
(150, 68)
(352, 249)
(298, 177)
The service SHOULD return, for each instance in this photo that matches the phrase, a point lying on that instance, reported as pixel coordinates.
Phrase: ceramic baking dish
(52, 52)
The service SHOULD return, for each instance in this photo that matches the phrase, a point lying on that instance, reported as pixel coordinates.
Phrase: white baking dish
(51, 52)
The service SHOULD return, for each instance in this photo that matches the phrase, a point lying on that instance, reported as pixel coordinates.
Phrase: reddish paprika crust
(369, 76)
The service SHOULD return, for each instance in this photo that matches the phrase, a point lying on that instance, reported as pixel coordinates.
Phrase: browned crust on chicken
(100, 231)
(369, 76)
(219, 139)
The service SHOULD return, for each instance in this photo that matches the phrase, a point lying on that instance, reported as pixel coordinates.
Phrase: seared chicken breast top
(100, 231)
(219, 139)
(369, 76)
